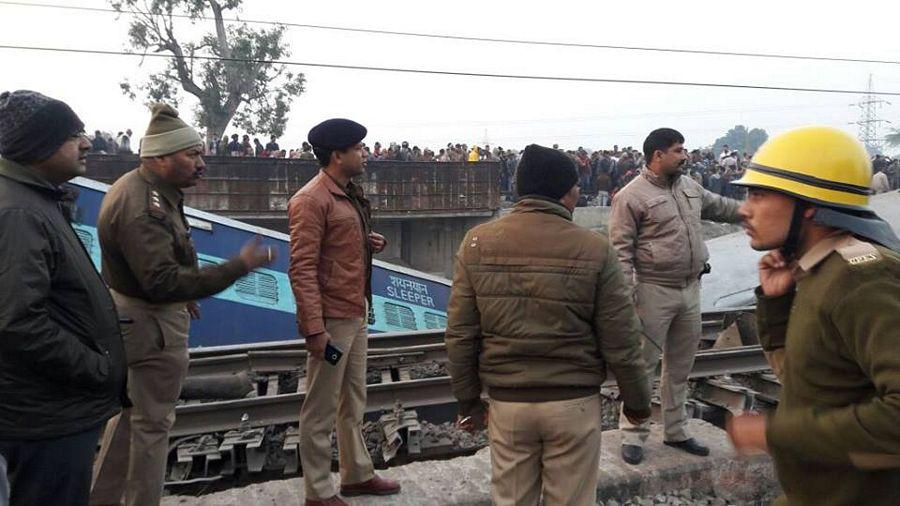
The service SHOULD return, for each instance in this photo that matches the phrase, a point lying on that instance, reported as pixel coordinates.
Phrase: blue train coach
(260, 307)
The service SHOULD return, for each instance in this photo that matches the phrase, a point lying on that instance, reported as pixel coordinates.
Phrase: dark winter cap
(33, 126)
(336, 133)
(546, 172)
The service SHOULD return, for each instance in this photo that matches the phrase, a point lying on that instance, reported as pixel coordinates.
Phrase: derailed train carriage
(260, 307)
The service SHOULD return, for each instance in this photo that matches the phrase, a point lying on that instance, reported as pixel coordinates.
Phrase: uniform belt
(671, 283)
(134, 302)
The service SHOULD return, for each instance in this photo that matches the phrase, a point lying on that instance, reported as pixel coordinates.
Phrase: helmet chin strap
(792, 243)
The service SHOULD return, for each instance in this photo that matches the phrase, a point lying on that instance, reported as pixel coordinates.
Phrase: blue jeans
(50, 471)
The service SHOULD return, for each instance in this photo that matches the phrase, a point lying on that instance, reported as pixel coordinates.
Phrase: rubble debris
(688, 497)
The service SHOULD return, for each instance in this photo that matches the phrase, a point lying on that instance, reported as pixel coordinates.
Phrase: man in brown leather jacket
(330, 269)
(655, 228)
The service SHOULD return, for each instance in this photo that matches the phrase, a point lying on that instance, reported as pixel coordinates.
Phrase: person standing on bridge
(332, 243)
(537, 311)
(655, 228)
(62, 362)
(828, 311)
(150, 265)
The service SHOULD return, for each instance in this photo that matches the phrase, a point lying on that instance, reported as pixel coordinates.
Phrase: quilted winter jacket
(538, 309)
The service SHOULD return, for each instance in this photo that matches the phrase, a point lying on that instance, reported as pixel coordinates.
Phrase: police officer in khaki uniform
(150, 265)
(828, 311)
(655, 228)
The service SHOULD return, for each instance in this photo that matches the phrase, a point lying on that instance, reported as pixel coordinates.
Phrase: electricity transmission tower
(869, 121)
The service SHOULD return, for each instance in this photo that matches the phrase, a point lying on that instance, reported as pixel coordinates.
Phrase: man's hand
(255, 255)
(315, 344)
(776, 275)
(193, 308)
(748, 433)
(377, 242)
(475, 422)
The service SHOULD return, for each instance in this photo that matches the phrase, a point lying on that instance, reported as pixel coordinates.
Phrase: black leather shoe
(689, 445)
(633, 454)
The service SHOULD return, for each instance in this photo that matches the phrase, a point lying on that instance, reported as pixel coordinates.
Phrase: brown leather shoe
(375, 486)
(331, 501)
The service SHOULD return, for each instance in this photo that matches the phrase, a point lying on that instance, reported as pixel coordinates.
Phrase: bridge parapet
(261, 187)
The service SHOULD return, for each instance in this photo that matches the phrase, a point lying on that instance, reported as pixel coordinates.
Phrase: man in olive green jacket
(538, 309)
(829, 300)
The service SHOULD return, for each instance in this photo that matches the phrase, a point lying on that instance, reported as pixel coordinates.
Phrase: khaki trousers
(135, 445)
(552, 447)
(672, 326)
(336, 391)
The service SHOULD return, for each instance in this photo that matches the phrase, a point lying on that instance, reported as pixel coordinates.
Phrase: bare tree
(240, 82)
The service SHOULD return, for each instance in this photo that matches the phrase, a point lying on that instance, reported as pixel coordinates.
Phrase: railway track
(285, 408)
(419, 346)
(238, 437)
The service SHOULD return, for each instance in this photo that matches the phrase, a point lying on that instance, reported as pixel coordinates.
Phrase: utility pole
(869, 121)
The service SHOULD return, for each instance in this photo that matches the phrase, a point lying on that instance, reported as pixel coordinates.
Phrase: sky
(434, 110)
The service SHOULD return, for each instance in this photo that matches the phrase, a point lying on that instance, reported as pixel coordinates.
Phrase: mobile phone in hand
(333, 354)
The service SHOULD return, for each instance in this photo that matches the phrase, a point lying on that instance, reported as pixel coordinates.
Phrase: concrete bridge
(423, 208)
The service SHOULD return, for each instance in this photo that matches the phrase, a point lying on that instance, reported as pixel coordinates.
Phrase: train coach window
(435, 321)
(400, 316)
(258, 287)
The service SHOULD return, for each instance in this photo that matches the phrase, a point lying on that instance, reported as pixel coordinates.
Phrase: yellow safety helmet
(819, 164)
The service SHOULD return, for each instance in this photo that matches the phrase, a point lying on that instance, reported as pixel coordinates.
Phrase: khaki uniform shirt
(147, 248)
(836, 433)
(655, 228)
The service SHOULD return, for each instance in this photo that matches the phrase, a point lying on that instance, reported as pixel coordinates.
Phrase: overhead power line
(464, 74)
(476, 39)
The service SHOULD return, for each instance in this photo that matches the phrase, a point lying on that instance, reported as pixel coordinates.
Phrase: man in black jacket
(62, 363)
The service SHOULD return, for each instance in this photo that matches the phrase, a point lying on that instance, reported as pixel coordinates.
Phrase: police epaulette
(155, 207)
(857, 252)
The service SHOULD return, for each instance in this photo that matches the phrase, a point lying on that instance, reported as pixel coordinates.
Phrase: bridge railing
(262, 186)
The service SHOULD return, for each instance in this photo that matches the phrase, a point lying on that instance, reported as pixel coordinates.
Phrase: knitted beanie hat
(167, 133)
(33, 126)
(546, 172)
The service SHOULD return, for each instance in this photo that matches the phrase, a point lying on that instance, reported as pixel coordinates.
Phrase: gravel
(431, 369)
(685, 497)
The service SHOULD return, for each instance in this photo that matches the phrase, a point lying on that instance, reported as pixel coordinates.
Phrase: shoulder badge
(155, 207)
(856, 252)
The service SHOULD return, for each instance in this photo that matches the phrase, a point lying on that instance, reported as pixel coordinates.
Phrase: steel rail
(385, 340)
(278, 409)
(280, 356)
(272, 361)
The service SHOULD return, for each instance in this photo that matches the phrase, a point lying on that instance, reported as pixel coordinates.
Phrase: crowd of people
(602, 173)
